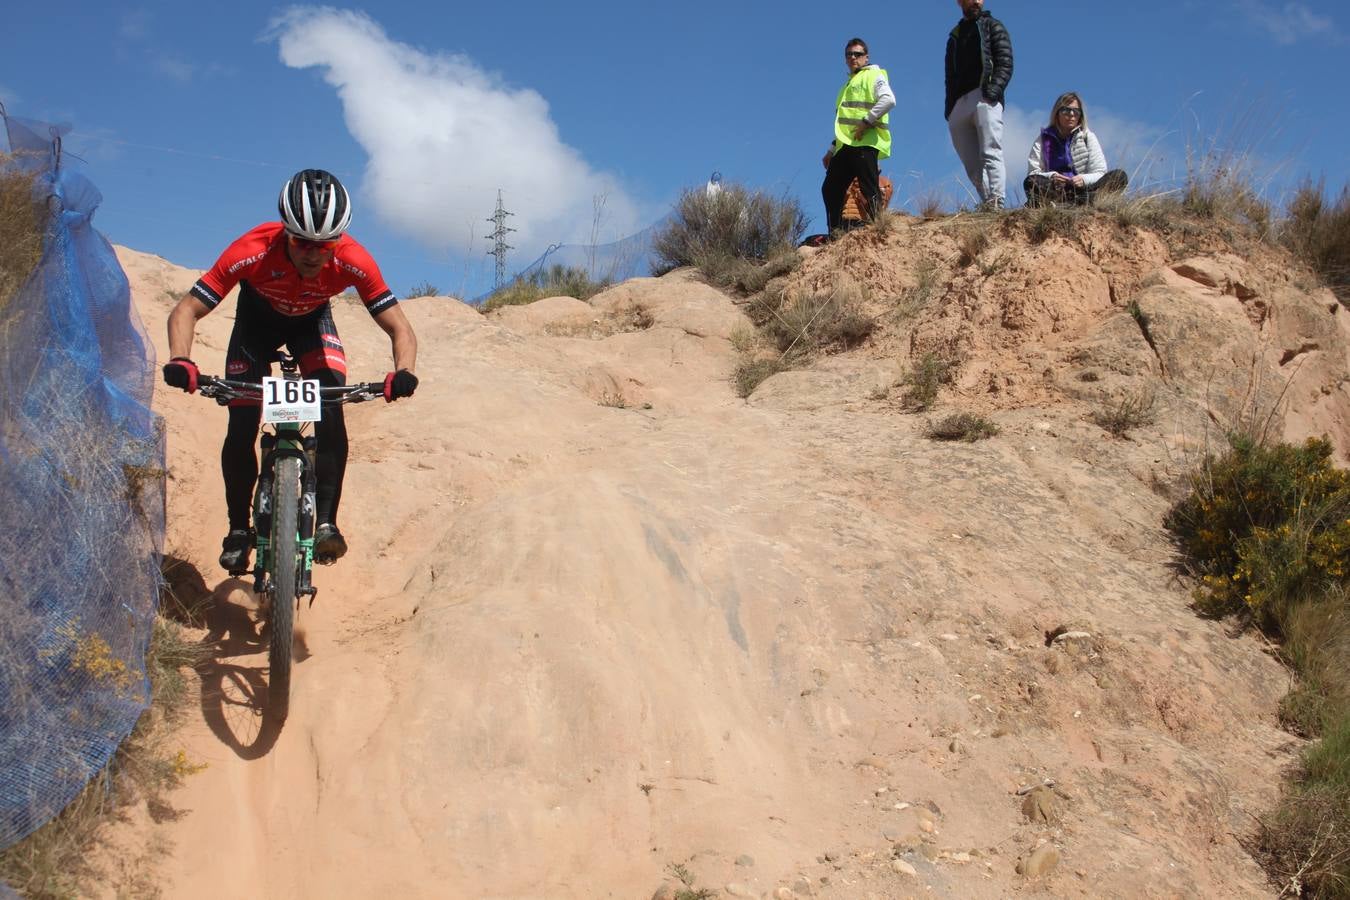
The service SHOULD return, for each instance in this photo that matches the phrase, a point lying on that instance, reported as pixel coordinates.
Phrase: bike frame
(287, 439)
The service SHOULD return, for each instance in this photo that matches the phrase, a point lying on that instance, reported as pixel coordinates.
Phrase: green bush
(555, 281)
(1263, 526)
(734, 224)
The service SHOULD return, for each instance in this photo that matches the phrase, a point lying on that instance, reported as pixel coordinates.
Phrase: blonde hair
(1063, 99)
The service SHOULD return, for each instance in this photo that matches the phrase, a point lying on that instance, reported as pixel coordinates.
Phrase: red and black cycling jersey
(258, 263)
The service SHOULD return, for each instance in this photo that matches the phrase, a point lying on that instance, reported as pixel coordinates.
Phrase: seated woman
(1066, 163)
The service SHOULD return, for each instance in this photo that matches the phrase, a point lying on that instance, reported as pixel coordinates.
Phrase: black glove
(181, 372)
(399, 384)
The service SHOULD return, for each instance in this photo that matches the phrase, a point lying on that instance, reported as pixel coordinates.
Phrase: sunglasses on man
(855, 54)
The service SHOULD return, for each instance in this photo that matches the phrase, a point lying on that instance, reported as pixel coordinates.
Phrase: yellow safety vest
(855, 99)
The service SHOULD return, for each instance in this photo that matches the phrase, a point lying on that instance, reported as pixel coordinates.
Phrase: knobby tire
(285, 564)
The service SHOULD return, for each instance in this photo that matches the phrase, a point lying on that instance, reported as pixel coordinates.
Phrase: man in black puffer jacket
(979, 67)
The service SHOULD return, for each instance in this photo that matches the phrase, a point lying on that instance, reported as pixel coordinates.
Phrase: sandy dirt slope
(600, 616)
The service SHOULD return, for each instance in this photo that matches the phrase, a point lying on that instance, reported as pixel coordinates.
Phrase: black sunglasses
(1069, 111)
(855, 53)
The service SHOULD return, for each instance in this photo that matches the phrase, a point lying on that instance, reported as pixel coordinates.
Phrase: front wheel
(285, 565)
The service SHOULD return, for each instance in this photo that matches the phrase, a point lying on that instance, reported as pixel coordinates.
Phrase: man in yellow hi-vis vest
(862, 135)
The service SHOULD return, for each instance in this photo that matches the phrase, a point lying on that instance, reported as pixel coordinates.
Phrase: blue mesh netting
(81, 499)
(629, 257)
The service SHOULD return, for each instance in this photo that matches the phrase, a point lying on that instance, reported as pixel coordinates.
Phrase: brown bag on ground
(853, 200)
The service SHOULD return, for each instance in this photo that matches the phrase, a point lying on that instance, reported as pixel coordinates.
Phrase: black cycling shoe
(238, 546)
(329, 545)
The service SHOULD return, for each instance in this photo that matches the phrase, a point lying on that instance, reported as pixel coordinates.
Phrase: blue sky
(592, 117)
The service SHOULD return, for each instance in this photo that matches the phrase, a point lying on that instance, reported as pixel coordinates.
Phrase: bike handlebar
(223, 390)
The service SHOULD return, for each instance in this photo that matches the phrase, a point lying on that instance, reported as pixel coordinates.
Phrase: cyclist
(287, 273)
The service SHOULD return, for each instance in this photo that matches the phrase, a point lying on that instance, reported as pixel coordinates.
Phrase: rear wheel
(285, 565)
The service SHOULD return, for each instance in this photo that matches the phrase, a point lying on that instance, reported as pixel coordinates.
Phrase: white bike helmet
(315, 206)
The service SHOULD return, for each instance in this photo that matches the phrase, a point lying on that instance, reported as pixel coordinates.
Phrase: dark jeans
(848, 163)
(1041, 191)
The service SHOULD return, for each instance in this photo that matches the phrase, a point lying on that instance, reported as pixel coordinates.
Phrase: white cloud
(1290, 22)
(443, 135)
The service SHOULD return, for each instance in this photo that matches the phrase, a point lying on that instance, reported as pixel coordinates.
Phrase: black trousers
(1040, 190)
(848, 163)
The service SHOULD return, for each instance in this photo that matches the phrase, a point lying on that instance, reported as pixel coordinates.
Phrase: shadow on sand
(233, 669)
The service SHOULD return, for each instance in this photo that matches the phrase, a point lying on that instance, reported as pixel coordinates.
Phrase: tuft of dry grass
(820, 322)
(750, 373)
(966, 427)
(974, 242)
(51, 862)
(1119, 417)
(21, 226)
(556, 281)
(1317, 230)
(923, 380)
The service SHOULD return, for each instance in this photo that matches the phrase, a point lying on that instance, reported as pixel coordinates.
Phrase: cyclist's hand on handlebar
(399, 384)
(181, 372)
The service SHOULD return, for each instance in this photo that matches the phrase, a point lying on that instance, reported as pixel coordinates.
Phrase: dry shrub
(966, 427)
(973, 243)
(424, 289)
(923, 380)
(1120, 416)
(1318, 232)
(556, 281)
(750, 373)
(927, 278)
(820, 322)
(1045, 222)
(733, 224)
(21, 225)
(1317, 646)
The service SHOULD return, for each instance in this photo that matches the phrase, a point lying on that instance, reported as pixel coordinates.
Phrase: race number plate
(285, 400)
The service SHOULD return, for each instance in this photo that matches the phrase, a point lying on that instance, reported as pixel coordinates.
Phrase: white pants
(977, 134)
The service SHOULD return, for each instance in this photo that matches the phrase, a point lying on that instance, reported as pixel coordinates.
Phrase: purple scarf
(1055, 155)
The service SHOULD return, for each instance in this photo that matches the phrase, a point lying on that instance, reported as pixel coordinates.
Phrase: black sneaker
(238, 546)
(329, 545)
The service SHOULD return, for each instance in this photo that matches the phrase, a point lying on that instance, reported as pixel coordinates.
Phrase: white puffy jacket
(1088, 158)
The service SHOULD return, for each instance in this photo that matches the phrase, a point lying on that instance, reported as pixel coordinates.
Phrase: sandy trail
(574, 643)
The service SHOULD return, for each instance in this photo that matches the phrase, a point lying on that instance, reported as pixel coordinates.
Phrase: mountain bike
(283, 501)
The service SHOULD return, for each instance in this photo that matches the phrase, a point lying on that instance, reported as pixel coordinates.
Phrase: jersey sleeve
(364, 274)
(231, 268)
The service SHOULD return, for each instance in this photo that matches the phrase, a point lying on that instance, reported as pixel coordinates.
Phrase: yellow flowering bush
(1263, 526)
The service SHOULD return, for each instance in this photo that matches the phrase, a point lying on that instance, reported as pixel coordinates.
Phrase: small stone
(783, 893)
(830, 856)
(948, 636)
(903, 868)
(803, 886)
(1042, 861)
(959, 856)
(929, 852)
(956, 747)
(666, 891)
(1040, 807)
(736, 889)
(881, 791)
(901, 805)
(927, 826)
(745, 859)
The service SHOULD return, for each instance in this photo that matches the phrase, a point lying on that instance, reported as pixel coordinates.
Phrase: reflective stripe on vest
(855, 99)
